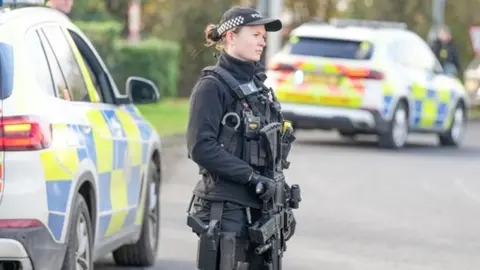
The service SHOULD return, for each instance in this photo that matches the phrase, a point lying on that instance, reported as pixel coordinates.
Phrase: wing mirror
(142, 91)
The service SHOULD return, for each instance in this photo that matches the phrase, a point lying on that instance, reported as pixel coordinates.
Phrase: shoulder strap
(227, 78)
(239, 91)
(259, 79)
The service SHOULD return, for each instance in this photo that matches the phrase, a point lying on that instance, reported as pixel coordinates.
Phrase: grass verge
(169, 116)
(474, 113)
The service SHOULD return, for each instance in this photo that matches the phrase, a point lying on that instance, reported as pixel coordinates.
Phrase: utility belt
(213, 242)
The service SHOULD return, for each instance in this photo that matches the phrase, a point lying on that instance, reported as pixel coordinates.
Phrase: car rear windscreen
(6, 70)
(331, 48)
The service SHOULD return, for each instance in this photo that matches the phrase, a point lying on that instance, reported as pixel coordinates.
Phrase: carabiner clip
(231, 114)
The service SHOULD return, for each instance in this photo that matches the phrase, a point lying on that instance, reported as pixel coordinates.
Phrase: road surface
(363, 208)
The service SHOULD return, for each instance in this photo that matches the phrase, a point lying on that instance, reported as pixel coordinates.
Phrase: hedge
(152, 58)
(102, 35)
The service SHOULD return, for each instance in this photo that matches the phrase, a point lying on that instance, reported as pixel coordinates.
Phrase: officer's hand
(268, 186)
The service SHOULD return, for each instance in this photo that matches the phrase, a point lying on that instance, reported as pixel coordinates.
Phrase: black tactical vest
(254, 107)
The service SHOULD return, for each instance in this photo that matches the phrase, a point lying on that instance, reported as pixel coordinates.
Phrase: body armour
(254, 107)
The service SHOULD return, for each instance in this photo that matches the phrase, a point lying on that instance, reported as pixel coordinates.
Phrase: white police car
(369, 77)
(79, 165)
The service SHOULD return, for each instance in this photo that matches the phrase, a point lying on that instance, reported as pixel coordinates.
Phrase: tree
(307, 10)
(187, 27)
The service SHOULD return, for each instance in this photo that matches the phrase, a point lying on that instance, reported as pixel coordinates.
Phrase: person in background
(446, 52)
(64, 6)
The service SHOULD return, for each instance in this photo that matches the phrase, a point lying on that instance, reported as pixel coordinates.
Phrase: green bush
(102, 34)
(154, 59)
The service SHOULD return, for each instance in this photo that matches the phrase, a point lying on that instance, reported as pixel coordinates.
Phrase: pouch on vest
(231, 121)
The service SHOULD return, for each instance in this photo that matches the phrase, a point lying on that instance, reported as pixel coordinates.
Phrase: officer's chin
(256, 58)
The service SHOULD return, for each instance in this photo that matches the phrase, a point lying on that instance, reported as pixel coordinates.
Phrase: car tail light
(19, 223)
(364, 74)
(23, 133)
(282, 67)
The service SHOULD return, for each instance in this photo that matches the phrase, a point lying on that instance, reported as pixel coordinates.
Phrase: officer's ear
(230, 36)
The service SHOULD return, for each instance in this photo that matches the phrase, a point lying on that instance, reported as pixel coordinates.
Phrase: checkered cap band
(230, 24)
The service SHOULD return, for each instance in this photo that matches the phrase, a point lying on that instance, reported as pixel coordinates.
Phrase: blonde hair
(214, 39)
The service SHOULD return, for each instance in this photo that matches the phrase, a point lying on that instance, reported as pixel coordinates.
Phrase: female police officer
(216, 135)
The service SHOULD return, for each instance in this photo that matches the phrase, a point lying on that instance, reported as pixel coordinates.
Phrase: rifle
(277, 223)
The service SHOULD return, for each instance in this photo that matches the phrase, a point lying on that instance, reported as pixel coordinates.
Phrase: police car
(79, 165)
(367, 77)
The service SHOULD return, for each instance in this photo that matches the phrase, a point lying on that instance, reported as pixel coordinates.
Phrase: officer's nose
(262, 42)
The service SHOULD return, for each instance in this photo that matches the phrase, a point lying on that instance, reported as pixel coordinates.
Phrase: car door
(419, 77)
(120, 173)
(61, 161)
(100, 133)
(440, 94)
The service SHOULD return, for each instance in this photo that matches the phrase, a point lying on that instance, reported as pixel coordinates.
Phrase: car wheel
(144, 251)
(79, 238)
(397, 134)
(455, 133)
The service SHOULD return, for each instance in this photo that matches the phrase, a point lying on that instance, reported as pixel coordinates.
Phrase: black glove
(268, 186)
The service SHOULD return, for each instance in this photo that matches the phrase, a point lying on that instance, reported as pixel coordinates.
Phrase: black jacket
(210, 101)
(451, 56)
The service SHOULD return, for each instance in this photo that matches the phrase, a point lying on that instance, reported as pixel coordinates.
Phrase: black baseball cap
(242, 16)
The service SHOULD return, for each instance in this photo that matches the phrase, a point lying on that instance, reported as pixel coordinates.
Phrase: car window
(424, 55)
(93, 78)
(331, 48)
(6, 70)
(42, 70)
(402, 51)
(56, 73)
(68, 63)
(97, 73)
(398, 51)
(413, 52)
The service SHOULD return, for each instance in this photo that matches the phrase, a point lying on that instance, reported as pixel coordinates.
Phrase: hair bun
(215, 35)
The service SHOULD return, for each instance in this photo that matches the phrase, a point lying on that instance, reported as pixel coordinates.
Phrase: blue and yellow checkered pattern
(431, 106)
(387, 99)
(117, 144)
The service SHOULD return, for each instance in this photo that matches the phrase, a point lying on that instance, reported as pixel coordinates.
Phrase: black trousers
(235, 218)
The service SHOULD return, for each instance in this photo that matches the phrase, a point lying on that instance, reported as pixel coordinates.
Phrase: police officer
(228, 102)
(446, 52)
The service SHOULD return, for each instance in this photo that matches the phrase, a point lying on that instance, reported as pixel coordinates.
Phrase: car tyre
(455, 133)
(80, 238)
(144, 251)
(397, 133)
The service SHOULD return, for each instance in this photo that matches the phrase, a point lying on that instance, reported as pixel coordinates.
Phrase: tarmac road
(363, 208)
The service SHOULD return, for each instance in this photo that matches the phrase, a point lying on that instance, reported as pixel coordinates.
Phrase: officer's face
(444, 35)
(248, 43)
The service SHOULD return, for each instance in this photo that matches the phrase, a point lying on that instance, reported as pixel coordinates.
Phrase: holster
(207, 251)
(223, 244)
(217, 250)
